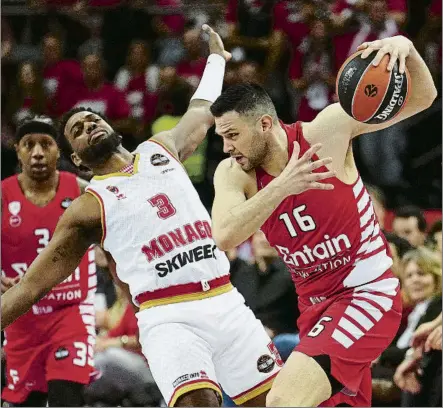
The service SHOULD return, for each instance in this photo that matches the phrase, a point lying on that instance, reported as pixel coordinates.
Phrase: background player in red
(49, 350)
(330, 240)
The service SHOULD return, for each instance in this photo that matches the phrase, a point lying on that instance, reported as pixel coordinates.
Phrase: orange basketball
(371, 94)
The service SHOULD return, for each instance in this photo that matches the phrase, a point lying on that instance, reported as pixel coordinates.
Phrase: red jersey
(329, 240)
(26, 231)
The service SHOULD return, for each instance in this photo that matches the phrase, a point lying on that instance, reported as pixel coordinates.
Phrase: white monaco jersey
(154, 224)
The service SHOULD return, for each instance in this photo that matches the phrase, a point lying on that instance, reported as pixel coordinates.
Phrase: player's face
(407, 228)
(245, 139)
(92, 139)
(418, 284)
(38, 154)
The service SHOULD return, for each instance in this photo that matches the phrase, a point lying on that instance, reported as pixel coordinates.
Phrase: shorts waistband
(185, 292)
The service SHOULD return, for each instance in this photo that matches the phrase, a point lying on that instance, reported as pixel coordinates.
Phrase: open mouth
(238, 159)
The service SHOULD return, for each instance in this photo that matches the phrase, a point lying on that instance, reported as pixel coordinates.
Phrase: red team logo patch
(115, 190)
(14, 208)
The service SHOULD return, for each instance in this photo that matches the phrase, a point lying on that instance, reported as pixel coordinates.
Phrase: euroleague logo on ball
(371, 90)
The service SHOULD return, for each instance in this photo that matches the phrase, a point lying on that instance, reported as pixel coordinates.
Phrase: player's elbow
(223, 239)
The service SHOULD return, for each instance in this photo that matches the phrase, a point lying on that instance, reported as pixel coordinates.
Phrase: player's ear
(266, 123)
(76, 160)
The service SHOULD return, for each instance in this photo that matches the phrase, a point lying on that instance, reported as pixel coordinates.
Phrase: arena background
(139, 61)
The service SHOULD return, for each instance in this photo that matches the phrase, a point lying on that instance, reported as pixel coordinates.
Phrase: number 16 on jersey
(304, 222)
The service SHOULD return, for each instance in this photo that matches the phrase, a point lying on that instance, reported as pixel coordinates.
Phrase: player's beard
(96, 154)
(257, 153)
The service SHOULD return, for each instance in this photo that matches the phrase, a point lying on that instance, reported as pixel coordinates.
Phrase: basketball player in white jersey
(195, 329)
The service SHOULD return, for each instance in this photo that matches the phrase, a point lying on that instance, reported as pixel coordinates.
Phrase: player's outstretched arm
(184, 138)
(76, 230)
(334, 121)
(235, 218)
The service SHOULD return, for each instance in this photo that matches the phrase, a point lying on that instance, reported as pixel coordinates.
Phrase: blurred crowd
(139, 61)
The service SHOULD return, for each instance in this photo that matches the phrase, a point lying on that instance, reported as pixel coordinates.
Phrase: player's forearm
(423, 90)
(192, 128)
(17, 301)
(242, 221)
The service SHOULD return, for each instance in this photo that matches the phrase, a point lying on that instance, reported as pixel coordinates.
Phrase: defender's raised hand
(298, 175)
(215, 43)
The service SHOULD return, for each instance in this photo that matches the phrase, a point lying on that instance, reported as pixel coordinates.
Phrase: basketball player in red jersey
(326, 232)
(49, 349)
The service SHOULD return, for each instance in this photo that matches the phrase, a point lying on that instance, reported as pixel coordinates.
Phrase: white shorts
(204, 343)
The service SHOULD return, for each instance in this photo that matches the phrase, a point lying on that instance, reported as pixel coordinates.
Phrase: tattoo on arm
(61, 252)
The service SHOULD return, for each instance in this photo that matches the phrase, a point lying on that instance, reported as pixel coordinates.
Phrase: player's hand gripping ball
(373, 86)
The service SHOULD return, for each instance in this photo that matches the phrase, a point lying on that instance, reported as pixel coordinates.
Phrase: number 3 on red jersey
(164, 206)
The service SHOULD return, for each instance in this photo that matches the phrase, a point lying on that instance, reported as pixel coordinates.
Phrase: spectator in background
(435, 236)
(379, 203)
(291, 22)
(344, 11)
(379, 25)
(399, 247)
(311, 71)
(98, 94)
(192, 66)
(410, 223)
(422, 283)
(58, 73)
(27, 98)
(250, 26)
(169, 28)
(137, 77)
(159, 102)
(7, 38)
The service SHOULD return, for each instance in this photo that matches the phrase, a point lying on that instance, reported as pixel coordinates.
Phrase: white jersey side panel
(156, 228)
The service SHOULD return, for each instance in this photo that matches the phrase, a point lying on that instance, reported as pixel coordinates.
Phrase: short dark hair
(435, 227)
(402, 245)
(63, 142)
(412, 211)
(244, 98)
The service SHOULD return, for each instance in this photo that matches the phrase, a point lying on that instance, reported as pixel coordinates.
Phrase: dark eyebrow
(229, 130)
(80, 121)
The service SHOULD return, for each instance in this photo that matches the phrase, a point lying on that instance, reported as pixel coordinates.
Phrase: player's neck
(277, 157)
(115, 163)
(30, 185)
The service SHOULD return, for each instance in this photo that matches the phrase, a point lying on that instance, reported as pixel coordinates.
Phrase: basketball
(372, 94)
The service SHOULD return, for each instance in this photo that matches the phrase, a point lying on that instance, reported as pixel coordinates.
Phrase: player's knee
(303, 382)
(303, 397)
(204, 397)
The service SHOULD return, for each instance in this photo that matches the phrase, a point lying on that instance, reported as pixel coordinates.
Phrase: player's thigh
(25, 373)
(180, 362)
(249, 361)
(71, 359)
(351, 332)
(302, 382)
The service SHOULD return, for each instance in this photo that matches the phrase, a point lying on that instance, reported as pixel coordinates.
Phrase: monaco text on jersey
(177, 238)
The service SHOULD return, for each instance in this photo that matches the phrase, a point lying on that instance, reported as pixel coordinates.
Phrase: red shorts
(58, 347)
(353, 329)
